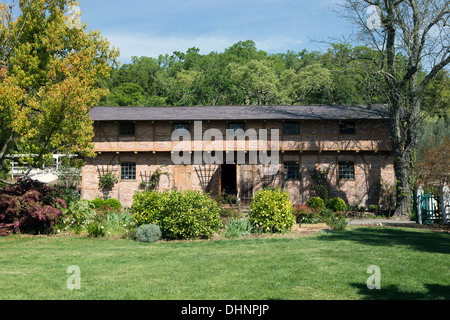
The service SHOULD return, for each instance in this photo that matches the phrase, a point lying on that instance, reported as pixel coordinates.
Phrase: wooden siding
(371, 135)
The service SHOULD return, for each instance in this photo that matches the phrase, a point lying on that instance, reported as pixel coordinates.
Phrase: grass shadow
(436, 242)
(434, 292)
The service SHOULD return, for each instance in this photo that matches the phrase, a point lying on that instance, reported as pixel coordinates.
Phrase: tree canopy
(244, 75)
(241, 75)
(48, 74)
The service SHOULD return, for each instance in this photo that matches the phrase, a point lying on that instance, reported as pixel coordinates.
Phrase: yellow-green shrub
(180, 215)
(271, 211)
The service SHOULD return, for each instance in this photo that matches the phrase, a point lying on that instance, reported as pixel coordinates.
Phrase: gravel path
(378, 221)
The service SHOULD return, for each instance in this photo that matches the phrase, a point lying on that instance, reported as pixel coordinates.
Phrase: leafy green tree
(126, 94)
(300, 85)
(412, 38)
(48, 74)
(256, 81)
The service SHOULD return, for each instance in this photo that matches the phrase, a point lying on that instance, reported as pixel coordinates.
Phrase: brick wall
(371, 170)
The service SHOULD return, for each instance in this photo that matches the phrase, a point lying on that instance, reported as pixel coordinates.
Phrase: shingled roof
(232, 113)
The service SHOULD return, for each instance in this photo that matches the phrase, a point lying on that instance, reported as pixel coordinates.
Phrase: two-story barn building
(133, 142)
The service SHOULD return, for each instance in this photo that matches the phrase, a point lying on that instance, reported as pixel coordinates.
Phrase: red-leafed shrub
(29, 207)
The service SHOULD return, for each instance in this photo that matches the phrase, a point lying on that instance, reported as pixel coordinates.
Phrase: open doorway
(229, 179)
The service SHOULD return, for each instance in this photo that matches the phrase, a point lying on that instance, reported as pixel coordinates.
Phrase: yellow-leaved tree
(48, 73)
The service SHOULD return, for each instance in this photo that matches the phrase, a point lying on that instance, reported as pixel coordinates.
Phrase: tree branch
(444, 62)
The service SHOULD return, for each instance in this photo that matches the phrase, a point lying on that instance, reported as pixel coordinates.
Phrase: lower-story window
(347, 170)
(128, 171)
(291, 171)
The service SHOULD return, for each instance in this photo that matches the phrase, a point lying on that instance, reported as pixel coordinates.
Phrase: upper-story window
(180, 126)
(347, 127)
(127, 129)
(291, 128)
(236, 126)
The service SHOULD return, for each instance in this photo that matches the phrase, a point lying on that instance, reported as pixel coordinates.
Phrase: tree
(126, 95)
(47, 81)
(412, 37)
(309, 80)
(256, 80)
(433, 166)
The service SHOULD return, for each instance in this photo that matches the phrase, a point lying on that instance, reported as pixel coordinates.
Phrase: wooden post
(445, 203)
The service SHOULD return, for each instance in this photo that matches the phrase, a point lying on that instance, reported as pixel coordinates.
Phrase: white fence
(45, 174)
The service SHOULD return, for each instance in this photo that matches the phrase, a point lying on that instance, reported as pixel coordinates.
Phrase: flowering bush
(29, 207)
(77, 215)
(96, 230)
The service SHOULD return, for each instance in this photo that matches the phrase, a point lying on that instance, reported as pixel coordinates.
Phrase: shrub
(227, 199)
(373, 208)
(118, 219)
(305, 214)
(120, 223)
(113, 204)
(148, 233)
(316, 203)
(98, 203)
(147, 206)
(227, 214)
(107, 181)
(78, 215)
(271, 211)
(238, 228)
(29, 207)
(96, 229)
(320, 182)
(336, 204)
(334, 220)
(180, 215)
(69, 195)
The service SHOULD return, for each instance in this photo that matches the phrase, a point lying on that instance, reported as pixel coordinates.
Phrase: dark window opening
(236, 126)
(127, 129)
(346, 170)
(291, 128)
(347, 127)
(291, 171)
(178, 126)
(229, 179)
(128, 171)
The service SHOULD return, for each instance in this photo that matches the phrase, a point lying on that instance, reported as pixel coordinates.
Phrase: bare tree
(412, 38)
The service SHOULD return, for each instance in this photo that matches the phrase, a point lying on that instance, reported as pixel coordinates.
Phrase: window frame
(347, 127)
(131, 170)
(347, 174)
(240, 124)
(127, 131)
(182, 125)
(291, 176)
(291, 123)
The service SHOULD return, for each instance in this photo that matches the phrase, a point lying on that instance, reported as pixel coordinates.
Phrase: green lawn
(414, 265)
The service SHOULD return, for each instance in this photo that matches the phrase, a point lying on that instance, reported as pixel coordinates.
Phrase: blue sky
(149, 28)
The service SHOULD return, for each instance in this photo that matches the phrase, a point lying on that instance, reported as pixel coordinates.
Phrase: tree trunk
(402, 188)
